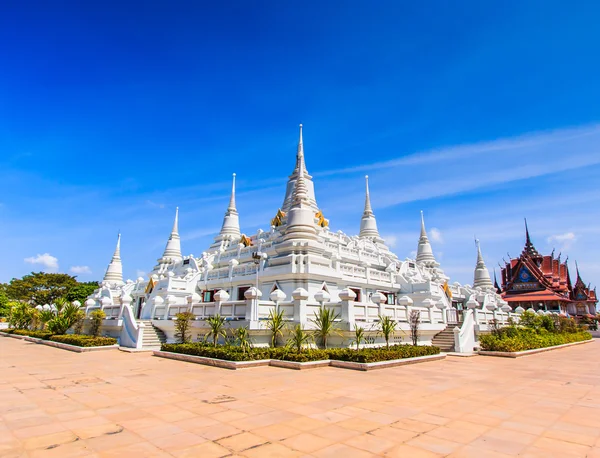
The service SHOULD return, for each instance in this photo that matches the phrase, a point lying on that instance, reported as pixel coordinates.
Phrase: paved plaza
(55, 403)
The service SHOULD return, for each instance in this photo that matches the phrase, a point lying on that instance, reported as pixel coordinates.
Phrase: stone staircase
(152, 337)
(445, 339)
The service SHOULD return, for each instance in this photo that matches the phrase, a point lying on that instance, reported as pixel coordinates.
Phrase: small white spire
(482, 275)
(232, 198)
(231, 222)
(114, 271)
(173, 248)
(368, 223)
(424, 251)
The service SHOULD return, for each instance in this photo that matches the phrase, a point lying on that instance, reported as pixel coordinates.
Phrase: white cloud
(46, 260)
(436, 235)
(566, 240)
(81, 270)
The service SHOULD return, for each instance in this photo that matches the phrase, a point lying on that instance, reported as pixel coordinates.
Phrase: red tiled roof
(544, 295)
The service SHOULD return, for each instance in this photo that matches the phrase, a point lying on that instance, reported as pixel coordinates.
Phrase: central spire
(173, 248)
(424, 251)
(299, 170)
(368, 223)
(114, 271)
(482, 275)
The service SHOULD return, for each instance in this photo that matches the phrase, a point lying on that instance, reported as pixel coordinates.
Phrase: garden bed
(518, 354)
(518, 340)
(363, 359)
(72, 342)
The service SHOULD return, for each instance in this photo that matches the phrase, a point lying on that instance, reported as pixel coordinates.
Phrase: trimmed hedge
(81, 340)
(364, 355)
(45, 335)
(528, 339)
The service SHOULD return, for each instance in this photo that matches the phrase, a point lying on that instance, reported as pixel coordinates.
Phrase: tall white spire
(300, 170)
(368, 223)
(114, 271)
(424, 251)
(482, 275)
(301, 216)
(173, 248)
(231, 222)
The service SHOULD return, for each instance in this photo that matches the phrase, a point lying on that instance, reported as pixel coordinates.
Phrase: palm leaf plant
(276, 324)
(387, 327)
(243, 337)
(324, 322)
(359, 336)
(299, 338)
(216, 323)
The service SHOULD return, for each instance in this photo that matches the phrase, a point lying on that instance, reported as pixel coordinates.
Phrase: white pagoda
(297, 266)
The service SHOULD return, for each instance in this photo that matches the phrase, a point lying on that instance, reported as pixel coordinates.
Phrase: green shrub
(96, 322)
(528, 339)
(364, 355)
(182, 326)
(26, 332)
(84, 340)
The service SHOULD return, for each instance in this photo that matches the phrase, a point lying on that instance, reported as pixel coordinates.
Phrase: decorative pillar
(347, 297)
(300, 296)
(220, 297)
(380, 299)
(277, 296)
(252, 296)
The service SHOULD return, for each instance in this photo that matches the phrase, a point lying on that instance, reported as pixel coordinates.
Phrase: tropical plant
(243, 338)
(216, 324)
(387, 328)
(182, 326)
(96, 318)
(324, 322)
(299, 338)
(276, 324)
(21, 315)
(67, 315)
(359, 336)
(414, 321)
(44, 316)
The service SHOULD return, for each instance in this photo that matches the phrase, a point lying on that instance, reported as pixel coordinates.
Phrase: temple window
(209, 295)
(358, 293)
(241, 291)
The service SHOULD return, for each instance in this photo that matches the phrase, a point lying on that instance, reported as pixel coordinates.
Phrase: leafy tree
(40, 287)
(387, 327)
(243, 337)
(182, 326)
(414, 320)
(81, 291)
(275, 323)
(4, 307)
(67, 315)
(359, 336)
(96, 325)
(324, 321)
(216, 324)
(299, 338)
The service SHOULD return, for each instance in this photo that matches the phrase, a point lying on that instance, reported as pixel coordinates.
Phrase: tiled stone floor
(55, 403)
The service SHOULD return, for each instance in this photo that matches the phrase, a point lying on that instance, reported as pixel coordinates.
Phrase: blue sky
(479, 113)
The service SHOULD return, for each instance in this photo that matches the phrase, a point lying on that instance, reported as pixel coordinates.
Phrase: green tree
(40, 287)
(4, 307)
(182, 326)
(81, 291)
(96, 322)
(243, 338)
(387, 327)
(324, 322)
(216, 323)
(299, 338)
(359, 336)
(275, 323)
